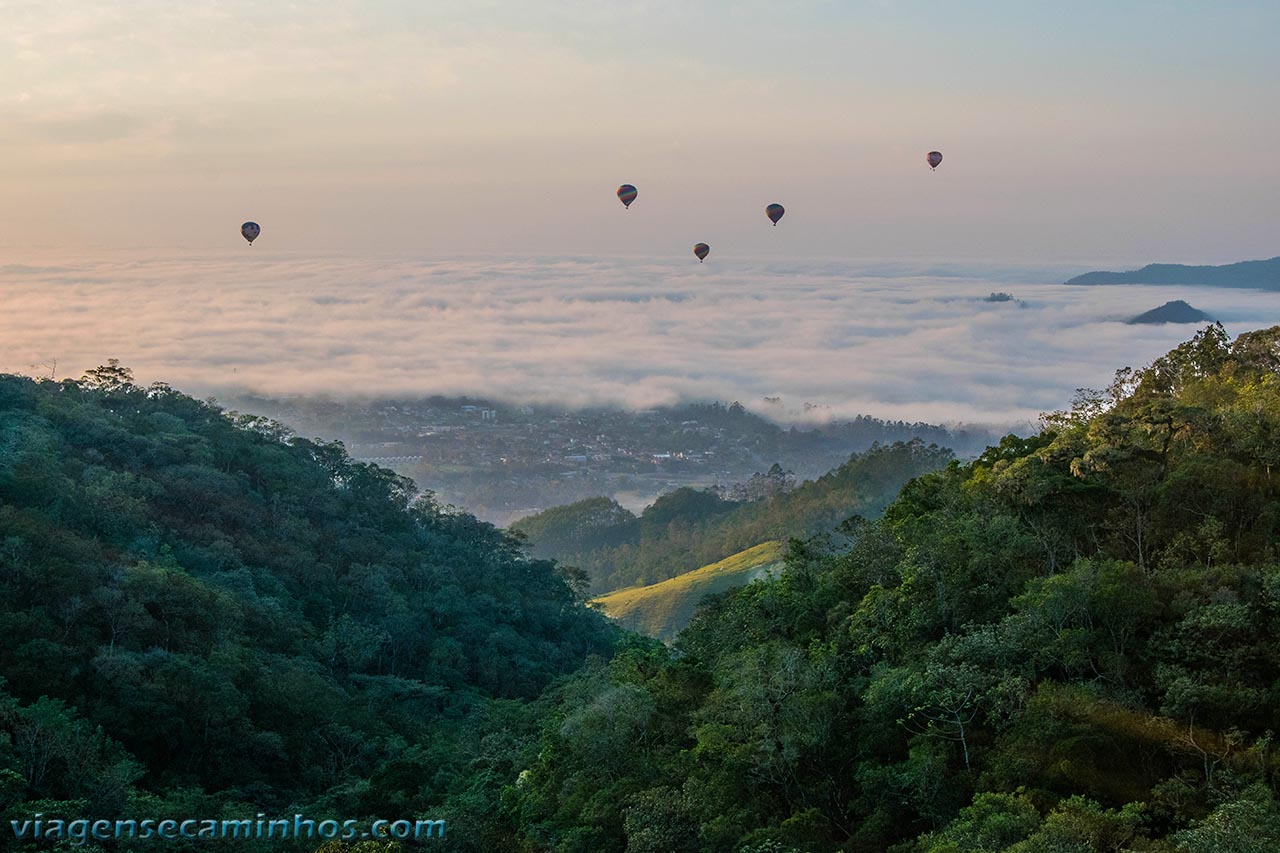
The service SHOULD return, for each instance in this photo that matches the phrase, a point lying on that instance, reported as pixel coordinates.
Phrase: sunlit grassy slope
(663, 609)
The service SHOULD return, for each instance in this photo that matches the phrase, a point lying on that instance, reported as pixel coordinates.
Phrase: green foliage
(579, 527)
(204, 603)
(689, 528)
(992, 824)
(1065, 645)
(664, 609)
(1249, 823)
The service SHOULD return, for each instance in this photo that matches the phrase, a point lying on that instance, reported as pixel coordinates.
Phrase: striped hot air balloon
(701, 250)
(774, 212)
(626, 194)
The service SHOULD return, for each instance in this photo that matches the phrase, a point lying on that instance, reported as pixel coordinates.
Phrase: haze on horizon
(1086, 133)
(893, 343)
(435, 184)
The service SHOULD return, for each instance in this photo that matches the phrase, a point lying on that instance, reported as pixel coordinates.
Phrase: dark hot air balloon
(250, 231)
(626, 194)
(774, 212)
(701, 250)
(934, 158)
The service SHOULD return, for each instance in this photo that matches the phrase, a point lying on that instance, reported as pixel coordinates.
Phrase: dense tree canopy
(689, 528)
(202, 610)
(1068, 644)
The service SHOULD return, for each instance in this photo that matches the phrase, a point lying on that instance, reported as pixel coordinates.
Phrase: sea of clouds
(891, 340)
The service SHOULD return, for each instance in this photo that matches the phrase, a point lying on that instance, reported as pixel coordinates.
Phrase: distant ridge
(1176, 311)
(1256, 274)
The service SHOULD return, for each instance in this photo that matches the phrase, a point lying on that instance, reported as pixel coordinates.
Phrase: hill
(689, 528)
(664, 609)
(1176, 311)
(1256, 274)
(1067, 644)
(503, 461)
(204, 615)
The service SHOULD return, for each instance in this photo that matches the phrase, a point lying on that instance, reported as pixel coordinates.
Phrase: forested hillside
(690, 528)
(210, 617)
(1066, 645)
(662, 610)
(1264, 275)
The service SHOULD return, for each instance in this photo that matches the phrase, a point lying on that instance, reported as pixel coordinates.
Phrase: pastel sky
(1083, 132)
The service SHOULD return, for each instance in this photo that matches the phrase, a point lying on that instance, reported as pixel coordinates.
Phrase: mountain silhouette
(1258, 274)
(1176, 311)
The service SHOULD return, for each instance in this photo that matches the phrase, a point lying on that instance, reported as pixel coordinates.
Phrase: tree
(1248, 823)
(109, 378)
(994, 822)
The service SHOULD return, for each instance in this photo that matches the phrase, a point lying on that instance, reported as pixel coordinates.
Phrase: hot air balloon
(774, 212)
(701, 250)
(626, 194)
(250, 231)
(934, 158)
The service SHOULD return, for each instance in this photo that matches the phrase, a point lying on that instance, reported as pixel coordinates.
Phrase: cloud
(596, 331)
(86, 129)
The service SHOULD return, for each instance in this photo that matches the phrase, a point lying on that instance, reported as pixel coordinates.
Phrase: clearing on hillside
(663, 609)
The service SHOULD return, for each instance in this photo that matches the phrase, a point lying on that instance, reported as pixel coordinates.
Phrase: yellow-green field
(664, 609)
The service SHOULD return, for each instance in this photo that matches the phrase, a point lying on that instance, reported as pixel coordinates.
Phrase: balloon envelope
(626, 194)
(250, 231)
(701, 250)
(774, 212)
(934, 158)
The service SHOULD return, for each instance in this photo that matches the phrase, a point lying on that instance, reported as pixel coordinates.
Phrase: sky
(886, 339)
(1092, 133)
(435, 184)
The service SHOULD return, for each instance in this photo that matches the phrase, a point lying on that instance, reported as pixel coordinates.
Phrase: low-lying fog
(881, 339)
